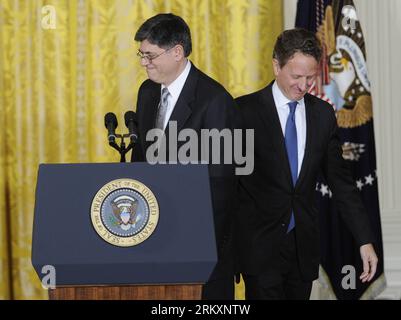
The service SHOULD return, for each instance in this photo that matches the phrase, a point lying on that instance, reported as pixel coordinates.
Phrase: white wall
(381, 25)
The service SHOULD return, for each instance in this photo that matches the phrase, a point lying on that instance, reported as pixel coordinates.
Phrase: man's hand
(369, 259)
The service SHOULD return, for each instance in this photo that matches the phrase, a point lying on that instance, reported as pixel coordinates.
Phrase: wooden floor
(165, 292)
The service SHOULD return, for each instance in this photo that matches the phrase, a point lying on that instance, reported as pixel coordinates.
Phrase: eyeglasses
(150, 57)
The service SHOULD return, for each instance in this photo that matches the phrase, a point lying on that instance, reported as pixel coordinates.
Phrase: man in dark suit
(295, 137)
(178, 92)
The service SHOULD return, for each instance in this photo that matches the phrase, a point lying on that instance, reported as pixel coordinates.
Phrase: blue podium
(123, 230)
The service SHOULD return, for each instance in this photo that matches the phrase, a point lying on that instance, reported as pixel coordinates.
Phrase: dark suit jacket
(202, 104)
(268, 196)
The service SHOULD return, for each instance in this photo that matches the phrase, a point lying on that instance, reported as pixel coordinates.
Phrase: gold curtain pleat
(57, 82)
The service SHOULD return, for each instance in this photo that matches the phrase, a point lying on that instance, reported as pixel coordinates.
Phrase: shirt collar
(280, 99)
(176, 86)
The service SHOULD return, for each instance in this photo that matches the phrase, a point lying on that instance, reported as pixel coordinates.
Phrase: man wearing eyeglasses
(177, 91)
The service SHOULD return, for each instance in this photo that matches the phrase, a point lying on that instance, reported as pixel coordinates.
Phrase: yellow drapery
(65, 63)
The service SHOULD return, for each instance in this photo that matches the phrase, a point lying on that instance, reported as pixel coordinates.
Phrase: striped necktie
(161, 112)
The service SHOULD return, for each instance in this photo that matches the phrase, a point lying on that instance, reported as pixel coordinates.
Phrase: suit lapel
(151, 104)
(183, 107)
(270, 117)
(272, 121)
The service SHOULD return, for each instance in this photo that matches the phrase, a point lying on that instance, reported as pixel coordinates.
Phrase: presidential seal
(124, 212)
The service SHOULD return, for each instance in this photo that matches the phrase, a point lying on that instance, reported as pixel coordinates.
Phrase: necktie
(161, 112)
(292, 150)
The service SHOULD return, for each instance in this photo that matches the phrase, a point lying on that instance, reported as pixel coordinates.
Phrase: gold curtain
(65, 63)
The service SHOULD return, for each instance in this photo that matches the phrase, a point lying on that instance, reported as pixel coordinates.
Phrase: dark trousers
(282, 282)
(219, 289)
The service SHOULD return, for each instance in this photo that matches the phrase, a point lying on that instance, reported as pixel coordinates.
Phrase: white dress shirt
(283, 110)
(175, 89)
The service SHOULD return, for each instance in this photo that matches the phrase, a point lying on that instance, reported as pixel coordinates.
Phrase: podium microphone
(131, 123)
(110, 121)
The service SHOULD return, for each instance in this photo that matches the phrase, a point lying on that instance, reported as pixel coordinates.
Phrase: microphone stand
(121, 148)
